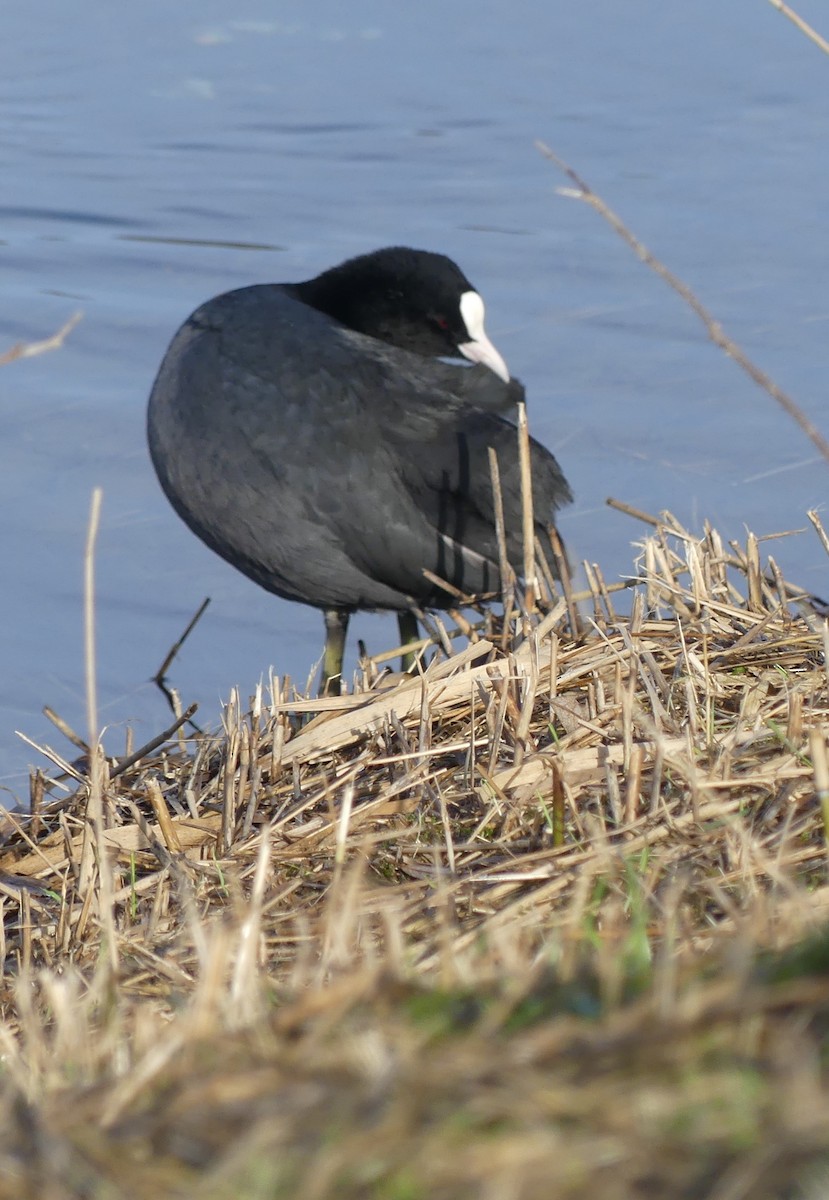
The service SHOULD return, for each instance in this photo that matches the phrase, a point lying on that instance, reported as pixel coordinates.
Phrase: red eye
(441, 322)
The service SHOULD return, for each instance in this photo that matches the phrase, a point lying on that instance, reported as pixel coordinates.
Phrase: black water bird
(313, 436)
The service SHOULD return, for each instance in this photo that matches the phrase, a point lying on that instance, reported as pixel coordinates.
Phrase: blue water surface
(153, 155)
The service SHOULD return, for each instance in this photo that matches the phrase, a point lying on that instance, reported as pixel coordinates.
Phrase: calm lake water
(153, 155)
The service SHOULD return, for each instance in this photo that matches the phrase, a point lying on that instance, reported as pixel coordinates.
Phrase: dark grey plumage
(332, 466)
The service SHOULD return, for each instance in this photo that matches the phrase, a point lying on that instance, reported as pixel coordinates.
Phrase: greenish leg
(336, 627)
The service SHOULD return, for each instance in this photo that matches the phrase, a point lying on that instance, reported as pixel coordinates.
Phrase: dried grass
(541, 921)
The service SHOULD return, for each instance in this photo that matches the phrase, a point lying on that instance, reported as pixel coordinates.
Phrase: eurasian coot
(312, 435)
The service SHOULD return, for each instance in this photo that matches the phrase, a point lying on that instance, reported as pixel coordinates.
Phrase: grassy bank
(548, 920)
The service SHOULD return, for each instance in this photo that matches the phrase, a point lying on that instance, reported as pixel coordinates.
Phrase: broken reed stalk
(172, 653)
(160, 677)
(563, 568)
(66, 729)
(802, 25)
(814, 517)
(106, 913)
(628, 509)
(820, 766)
(123, 764)
(504, 568)
(715, 331)
(89, 618)
(30, 349)
(528, 524)
(498, 505)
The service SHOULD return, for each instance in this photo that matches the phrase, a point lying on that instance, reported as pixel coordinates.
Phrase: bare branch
(582, 191)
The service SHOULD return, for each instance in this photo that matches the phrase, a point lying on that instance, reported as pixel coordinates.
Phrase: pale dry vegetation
(545, 921)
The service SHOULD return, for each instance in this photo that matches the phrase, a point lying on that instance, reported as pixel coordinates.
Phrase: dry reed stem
(713, 328)
(634, 804)
(527, 520)
(519, 761)
(95, 808)
(802, 25)
(814, 517)
(30, 349)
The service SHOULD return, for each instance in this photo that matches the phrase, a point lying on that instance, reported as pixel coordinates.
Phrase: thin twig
(814, 517)
(714, 329)
(159, 677)
(629, 510)
(30, 349)
(802, 25)
(446, 586)
(66, 729)
(124, 764)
